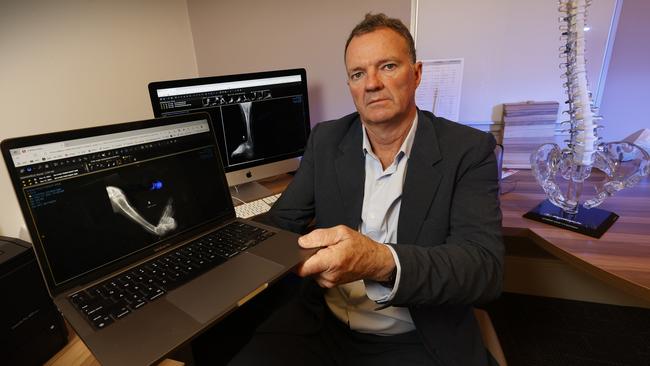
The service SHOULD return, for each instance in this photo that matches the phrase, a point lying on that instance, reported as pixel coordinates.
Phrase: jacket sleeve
(294, 210)
(467, 266)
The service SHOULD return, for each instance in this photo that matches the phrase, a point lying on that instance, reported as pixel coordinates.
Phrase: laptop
(136, 235)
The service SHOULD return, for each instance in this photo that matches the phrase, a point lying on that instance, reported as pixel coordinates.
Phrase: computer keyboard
(117, 297)
(257, 207)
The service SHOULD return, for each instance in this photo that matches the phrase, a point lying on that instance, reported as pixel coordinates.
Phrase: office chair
(489, 336)
(498, 152)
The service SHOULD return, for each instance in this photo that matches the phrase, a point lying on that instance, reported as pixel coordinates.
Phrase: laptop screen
(110, 193)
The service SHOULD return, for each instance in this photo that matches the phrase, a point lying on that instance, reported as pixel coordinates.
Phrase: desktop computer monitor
(261, 121)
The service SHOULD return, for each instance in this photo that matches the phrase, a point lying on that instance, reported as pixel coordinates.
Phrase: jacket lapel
(422, 180)
(350, 173)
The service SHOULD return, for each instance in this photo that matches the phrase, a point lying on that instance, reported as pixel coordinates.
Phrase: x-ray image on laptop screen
(98, 199)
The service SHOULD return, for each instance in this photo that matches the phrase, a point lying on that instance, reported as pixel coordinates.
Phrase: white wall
(627, 90)
(78, 63)
(510, 49)
(75, 63)
(258, 35)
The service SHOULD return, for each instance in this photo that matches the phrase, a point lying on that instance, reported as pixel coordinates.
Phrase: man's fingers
(321, 237)
(324, 283)
(316, 264)
(345, 256)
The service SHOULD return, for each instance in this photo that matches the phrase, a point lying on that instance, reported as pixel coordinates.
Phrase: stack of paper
(530, 119)
(526, 126)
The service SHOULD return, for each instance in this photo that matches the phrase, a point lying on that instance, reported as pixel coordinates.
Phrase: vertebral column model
(623, 163)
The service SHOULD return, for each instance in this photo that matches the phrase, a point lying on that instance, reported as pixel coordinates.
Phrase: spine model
(623, 164)
(583, 128)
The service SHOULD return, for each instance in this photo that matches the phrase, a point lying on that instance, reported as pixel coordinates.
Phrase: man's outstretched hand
(345, 256)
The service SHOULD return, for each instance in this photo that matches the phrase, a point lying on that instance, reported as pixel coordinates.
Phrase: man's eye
(355, 76)
(390, 67)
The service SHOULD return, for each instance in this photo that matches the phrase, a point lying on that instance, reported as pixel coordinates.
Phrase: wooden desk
(278, 183)
(76, 353)
(621, 257)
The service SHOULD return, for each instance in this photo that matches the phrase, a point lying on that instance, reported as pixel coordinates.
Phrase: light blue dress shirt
(356, 303)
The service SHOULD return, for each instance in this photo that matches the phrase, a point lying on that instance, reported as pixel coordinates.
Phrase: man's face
(381, 77)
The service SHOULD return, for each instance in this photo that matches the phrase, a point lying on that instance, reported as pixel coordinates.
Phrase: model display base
(593, 222)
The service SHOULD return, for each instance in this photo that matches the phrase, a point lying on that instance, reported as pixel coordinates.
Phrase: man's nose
(373, 82)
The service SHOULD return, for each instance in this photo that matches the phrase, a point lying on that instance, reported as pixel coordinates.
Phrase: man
(406, 216)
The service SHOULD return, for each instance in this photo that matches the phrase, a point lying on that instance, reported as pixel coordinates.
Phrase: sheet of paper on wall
(440, 88)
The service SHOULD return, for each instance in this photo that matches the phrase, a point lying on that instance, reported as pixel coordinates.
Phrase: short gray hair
(372, 22)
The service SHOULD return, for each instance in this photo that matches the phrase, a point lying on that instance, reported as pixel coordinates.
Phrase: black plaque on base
(593, 222)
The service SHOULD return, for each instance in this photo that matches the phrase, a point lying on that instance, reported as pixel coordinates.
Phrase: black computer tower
(31, 328)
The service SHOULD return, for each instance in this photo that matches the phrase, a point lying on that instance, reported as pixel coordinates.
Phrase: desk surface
(76, 353)
(621, 257)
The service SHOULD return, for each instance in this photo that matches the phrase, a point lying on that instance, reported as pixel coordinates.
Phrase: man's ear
(417, 69)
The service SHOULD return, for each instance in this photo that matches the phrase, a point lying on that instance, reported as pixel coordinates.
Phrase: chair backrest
(489, 336)
(498, 152)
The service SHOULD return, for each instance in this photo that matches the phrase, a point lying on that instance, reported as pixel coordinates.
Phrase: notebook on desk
(136, 235)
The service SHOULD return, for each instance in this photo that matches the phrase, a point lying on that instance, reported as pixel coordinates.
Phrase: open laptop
(136, 236)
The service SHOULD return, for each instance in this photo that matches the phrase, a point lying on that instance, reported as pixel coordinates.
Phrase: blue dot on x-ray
(156, 185)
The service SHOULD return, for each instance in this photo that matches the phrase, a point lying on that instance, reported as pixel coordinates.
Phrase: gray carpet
(545, 331)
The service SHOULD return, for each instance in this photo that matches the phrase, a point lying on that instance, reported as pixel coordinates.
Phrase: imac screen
(259, 118)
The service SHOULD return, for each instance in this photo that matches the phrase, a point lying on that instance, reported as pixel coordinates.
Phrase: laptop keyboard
(117, 297)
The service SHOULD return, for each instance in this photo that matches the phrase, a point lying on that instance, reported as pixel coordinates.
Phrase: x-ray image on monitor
(143, 195)
(246, 148)
(261, 121)
(247, 127)
(121, 205)
(128, 205)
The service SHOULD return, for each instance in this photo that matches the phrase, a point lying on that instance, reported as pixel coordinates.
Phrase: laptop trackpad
(210, 295)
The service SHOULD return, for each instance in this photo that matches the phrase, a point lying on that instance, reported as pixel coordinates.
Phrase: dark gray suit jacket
(449, 230)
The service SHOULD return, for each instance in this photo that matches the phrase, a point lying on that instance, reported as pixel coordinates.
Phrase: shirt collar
(407, 145)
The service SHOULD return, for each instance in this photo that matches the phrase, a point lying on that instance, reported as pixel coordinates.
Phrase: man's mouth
(373, 101)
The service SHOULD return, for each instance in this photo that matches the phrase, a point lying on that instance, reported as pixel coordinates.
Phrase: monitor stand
(248, 192)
